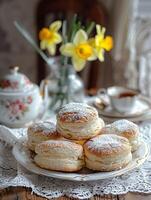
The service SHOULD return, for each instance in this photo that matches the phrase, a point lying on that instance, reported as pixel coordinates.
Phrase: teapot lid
(15, 81)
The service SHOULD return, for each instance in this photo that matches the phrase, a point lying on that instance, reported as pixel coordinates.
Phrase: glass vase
(64, 84)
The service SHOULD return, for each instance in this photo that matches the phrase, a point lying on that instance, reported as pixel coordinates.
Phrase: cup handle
(103, 95)
(102, 91)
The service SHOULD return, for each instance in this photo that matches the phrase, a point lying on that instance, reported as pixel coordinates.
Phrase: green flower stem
(72, 28)
(62, 82)
(90, 28)
(64, 32)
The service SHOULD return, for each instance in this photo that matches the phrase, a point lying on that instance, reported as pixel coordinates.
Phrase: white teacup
(122, 99)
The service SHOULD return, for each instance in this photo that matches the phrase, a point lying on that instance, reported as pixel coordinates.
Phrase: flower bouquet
(77, 44)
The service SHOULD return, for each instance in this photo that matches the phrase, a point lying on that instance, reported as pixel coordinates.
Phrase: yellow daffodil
(80, 50)
(107, 43)
(49, 37)
(102, 43)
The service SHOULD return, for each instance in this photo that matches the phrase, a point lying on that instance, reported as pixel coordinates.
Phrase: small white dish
(142, 106)
(24, 157)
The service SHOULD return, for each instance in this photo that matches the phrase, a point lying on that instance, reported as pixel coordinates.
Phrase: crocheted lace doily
(12, 174)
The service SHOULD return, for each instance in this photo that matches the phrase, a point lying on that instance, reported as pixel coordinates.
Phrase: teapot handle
(102, 91)
(44, 91)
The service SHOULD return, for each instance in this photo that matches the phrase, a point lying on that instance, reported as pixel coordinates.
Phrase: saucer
(138, 119)
(141, 107)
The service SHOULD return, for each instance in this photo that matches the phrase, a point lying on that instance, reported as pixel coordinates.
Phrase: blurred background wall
(124, 18)
(14, 50)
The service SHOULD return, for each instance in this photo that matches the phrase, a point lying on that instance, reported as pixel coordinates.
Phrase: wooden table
(20, 193)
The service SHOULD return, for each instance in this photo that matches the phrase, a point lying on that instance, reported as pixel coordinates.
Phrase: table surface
(20, 193)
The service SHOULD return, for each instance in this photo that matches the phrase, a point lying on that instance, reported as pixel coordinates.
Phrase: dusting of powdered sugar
(108, 129)
(106, 142)
(45, 127)
(60, 146)
(124, 125)
(73, 112)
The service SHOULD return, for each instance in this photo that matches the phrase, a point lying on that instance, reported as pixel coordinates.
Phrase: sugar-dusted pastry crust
(59, 155)
(77, 121)
(77, 113)
(107, 152)
(41, 131)
(64, 165)
(126, 129)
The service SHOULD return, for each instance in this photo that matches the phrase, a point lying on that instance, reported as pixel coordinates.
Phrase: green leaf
(29, 38)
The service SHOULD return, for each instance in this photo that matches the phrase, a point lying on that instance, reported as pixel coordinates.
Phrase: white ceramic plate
(141, 106)
(24, 157)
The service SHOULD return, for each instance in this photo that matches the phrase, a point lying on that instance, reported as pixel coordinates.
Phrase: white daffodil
(80, 50)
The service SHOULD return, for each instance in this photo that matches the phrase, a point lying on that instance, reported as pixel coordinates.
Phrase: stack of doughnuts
(81, 139)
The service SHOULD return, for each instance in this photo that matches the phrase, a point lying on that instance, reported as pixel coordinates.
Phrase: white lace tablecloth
(13, 174)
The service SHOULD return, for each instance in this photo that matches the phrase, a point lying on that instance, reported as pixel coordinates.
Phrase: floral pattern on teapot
(18, 107)
(7, 84)
(13, 84)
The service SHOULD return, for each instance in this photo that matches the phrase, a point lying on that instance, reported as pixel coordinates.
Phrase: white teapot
(21, 101)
